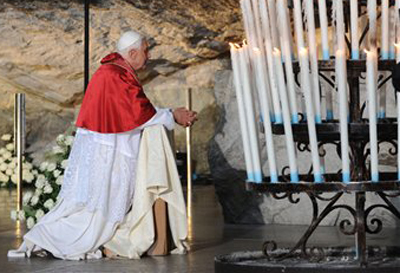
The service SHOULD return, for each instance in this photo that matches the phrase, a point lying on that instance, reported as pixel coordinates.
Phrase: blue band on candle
(294, 177)
(317, 178)
(304, 116)
(385, 55)
(392, 55)
(278, 119)
(381, 114)
(258, 177)
(355, 54)
(346, 177)
(250, 177)
(318, 119)
(329, 115)
(272, 117)
(325, 54)
(295, 118)
(261, 118)
(375, 177)
(274, 178)
(398, 176)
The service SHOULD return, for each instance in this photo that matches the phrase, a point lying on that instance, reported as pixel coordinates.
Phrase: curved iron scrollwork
(285, 174)
(357, 224)
(375, 222)
(393, 150)
(314, 253)
(288, 195)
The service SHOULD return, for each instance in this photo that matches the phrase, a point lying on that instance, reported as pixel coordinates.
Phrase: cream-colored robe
(157, 177)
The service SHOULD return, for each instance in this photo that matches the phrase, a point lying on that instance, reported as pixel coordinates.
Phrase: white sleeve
(163, 116)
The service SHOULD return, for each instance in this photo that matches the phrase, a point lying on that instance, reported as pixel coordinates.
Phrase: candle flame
(303, 50)
(234, 45)
(338, 51)
(256, 49)
(244, 42)
(276, 50)
(397, 45)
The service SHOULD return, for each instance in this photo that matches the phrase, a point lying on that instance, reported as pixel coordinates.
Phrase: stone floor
(209, 235)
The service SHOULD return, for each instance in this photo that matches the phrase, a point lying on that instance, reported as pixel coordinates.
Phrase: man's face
(142, 55)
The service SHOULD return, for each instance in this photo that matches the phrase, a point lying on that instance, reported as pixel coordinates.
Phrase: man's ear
(133, 53)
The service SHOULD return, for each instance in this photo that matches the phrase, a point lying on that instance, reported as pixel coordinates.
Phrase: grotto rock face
(41, 54)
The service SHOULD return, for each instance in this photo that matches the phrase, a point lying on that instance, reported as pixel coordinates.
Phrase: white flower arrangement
(30, 222)
(10, 147)
(48, 179)
(8, 164)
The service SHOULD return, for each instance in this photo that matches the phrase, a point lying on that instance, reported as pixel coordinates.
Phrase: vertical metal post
(189, 165)
(86, 45)
(19, 142)
(361, 243)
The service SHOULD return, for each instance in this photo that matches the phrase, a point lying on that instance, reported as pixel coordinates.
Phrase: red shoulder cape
(114, 101)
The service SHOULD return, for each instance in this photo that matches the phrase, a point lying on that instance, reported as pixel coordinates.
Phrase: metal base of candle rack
(383, 260)
(304, 258)
(360, 225)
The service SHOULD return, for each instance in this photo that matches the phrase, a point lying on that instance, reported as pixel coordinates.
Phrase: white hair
(128, 41)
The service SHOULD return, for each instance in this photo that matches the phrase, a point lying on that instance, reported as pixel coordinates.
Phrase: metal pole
(86, 45)
(19, 141)
(189, 165)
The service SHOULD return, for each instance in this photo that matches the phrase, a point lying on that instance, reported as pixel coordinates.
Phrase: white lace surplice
(96, 194)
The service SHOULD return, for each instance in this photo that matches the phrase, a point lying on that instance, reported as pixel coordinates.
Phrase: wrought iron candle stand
(301, 257)
(329, 133)
(361, 224)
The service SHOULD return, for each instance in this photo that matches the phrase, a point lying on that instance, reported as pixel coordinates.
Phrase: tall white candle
(298, 27)
(273, 23)
(372, 59)
(323, 18)
(312, 132)
(340, 32)
(313, 59)
(397, 20)
(268, 50)
(294, 176)
(242, 112)
(385, 30)
(355, 52)
(298, 24)
(398, 131)
(248, 23)
(372, 35)
(264, 103)
(286, 46)
(384, 54)
(343, 114)
(250, 113)
(392, 32)
(398, 108)
(257, 23)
